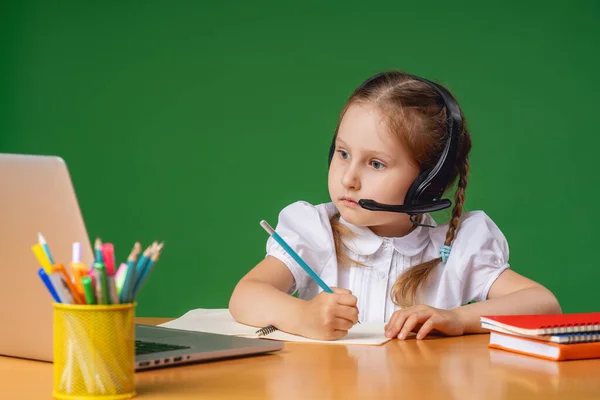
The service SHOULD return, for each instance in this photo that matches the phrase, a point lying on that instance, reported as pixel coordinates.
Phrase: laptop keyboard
(143, 347)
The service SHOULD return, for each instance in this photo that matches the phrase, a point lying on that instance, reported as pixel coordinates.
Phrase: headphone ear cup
(413, 195)
(409, 199)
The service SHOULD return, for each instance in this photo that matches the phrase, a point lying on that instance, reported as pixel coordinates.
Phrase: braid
(405, 289)
(459, 201)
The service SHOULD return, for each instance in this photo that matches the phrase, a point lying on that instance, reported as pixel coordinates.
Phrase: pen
(295, 256)
(46, 280)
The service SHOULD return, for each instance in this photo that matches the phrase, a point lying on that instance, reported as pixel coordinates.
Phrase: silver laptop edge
(37, 195)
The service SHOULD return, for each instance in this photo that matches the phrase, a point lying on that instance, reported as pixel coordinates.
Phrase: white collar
(366, 242)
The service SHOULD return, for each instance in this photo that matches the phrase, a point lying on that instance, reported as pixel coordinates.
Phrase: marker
(76, 252)
(102, 283)
(88, 290)
(98, 250)
(112, 290)
(120, 277)
(108, 255)
(46, 280)
(79, 270)
(60, 269)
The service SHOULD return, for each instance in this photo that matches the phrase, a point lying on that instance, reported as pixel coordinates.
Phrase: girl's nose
(350, 179)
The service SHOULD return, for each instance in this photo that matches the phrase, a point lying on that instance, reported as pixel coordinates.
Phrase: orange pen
(59, 268)
(79, 270)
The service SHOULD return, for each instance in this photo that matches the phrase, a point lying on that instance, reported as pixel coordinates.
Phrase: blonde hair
(413, 113)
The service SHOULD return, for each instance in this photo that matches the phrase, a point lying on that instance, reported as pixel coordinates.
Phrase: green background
(191, 121)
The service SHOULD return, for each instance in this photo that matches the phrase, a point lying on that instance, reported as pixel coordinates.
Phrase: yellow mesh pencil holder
(94, 351)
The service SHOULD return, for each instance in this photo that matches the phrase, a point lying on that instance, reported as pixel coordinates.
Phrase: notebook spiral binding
(266, 330)
(560, 329)
(582, 337)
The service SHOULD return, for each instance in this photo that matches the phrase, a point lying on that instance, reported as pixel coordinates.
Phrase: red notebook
(542, 349)
(548, 324)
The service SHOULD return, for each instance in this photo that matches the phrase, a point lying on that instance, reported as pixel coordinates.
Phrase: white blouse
(479, 254)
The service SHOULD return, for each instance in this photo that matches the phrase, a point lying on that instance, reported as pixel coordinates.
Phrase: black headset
(425, 193)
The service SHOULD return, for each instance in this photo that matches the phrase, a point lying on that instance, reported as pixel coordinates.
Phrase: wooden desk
(440, 368)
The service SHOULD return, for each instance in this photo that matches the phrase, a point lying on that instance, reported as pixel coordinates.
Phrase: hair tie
(445, 252)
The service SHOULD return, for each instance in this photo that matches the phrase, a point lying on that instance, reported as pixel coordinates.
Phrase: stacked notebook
(551, 336)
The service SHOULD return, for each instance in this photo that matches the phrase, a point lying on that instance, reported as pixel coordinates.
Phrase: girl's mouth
(349, 202)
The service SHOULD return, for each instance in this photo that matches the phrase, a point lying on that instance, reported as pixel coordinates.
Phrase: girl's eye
(377, 164)
(343, 154)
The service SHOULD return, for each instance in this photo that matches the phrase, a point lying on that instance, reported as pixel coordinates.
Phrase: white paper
(220, 321)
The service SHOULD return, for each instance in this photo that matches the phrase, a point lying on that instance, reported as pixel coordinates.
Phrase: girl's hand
(425, 318)
(329, 316)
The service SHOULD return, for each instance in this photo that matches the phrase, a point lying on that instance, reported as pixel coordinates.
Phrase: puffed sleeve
(479, 255)
(307, 230)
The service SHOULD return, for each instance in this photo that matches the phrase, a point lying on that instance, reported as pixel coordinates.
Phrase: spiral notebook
(562, 338)
(543, 324)
(220, 321)
(544, 349)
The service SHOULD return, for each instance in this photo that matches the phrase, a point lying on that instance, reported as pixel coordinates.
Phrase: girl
(399, 137)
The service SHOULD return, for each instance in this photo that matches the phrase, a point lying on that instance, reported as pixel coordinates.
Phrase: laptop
(37, 195)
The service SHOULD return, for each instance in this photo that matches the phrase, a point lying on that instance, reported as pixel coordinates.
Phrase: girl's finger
(426, 328)
(337, 334)
(393, 327)
(342, 324)
(409, 325)
(347, 312)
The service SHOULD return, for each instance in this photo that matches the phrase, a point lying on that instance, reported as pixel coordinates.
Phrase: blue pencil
(139, 270)
(147, 269)
(295, 256)
(130, 278)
